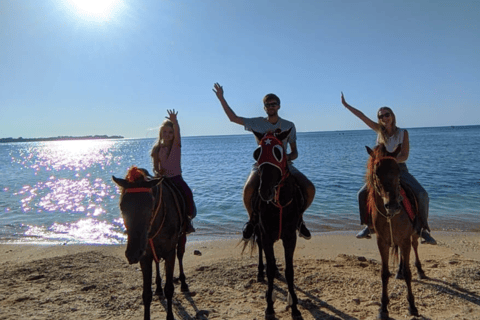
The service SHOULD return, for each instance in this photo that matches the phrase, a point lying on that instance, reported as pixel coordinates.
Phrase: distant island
(61, 138)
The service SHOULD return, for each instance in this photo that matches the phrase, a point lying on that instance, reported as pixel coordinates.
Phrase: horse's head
(136, 204)
(383, 175)
(271, 159)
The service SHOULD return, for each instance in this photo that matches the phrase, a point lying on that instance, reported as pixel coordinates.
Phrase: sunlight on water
(89, 231)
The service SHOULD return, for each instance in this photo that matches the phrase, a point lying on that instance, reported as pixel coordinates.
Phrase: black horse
(152, 213)
(279, 213)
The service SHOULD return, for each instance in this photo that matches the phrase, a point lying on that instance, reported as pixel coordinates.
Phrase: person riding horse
(263, 125)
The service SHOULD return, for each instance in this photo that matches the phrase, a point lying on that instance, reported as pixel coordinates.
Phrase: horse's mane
(135, 174)
(379, 153)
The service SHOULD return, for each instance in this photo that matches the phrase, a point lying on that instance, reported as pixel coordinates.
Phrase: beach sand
(336, 277)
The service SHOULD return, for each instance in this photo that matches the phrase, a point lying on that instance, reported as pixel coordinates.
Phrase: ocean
(62, 192)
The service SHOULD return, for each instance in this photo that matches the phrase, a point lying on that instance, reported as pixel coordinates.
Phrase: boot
(189, 229)
(304, 232)
(365, 233)
(427, 238)
(248, 230)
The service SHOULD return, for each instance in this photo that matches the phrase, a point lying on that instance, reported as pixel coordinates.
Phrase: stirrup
(248, 231)
(364, 234)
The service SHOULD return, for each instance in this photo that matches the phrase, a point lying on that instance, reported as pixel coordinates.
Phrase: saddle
(409, 202)
(256, 200)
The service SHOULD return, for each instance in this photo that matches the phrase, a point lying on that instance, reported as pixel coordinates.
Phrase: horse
(152, 214)
(391, 222)
(279, 213)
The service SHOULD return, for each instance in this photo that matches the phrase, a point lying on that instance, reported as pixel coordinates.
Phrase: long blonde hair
(158, 144)
(383, 138)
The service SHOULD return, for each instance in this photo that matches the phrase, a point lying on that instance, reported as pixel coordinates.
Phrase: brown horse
(392, 224)
(279, 213)
(151, 211)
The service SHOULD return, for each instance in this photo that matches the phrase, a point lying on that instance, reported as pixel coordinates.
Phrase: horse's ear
(258, 135)
(257, 153)
(281, 136)
(397, 151)
(370, 151)
(120, 182)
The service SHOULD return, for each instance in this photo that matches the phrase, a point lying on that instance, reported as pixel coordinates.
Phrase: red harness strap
(407, 205)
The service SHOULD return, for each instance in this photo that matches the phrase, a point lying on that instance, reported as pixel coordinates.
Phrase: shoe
(364, 234)
(248, 231)
(427, 238)
(190, 228)
(303, 232)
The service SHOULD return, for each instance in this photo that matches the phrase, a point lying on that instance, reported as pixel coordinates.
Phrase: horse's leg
(270, 257)
(384, 251)
(261, 266)
(289, 248)
(180, 252)
(418, 265)
(158, 281)
(146, 265)
(401, 269)
(405, 251)
(169, 288)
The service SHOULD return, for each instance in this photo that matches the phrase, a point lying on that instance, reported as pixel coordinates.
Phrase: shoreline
(336, 276)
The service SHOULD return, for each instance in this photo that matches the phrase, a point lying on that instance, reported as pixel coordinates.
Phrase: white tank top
(392, 142)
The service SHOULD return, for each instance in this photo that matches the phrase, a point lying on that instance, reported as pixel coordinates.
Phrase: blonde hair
(383, 131)
(158, 144)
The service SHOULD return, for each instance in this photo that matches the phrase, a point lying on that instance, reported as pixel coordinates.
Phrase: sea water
(62, 191)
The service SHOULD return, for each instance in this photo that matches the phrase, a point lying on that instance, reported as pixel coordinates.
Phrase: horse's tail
(394, 255)
(250, 243)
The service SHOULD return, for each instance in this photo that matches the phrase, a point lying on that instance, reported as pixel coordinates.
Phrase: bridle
(271, 152)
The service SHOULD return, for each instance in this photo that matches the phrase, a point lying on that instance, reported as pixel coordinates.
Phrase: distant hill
(20, 139)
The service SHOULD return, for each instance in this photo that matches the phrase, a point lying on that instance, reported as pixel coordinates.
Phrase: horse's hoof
(269, 316)
(422, 276)
(160, 294)
(261, 279)
(413, 312)
(399, 276)
(184, 288)
(383, 316)
(296, 314)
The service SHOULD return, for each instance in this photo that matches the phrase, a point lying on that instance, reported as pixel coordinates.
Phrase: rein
(277, 204)
(155, 213)
(377, 191)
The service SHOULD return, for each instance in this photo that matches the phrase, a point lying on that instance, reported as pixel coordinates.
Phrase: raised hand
(218, 89)
(172, 115)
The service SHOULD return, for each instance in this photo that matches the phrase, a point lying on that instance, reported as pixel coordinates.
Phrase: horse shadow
(182, 312)
(313, 304)
(451, 289)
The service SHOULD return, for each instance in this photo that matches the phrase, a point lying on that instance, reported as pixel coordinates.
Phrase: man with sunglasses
(263, 125)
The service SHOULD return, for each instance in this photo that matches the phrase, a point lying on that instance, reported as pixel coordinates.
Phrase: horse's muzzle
(392, 208)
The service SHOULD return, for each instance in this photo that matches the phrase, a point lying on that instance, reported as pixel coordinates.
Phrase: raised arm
(172, 115)
(369, 122)
(218, 89)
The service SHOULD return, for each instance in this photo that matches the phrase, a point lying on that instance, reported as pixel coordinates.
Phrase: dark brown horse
(151, 211)
(279, 213)
(392, 224)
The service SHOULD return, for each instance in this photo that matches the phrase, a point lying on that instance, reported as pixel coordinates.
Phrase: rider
(263, 125)
(166, 155)
(391, 136)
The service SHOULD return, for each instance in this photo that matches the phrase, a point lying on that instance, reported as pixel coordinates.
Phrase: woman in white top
(391, 136)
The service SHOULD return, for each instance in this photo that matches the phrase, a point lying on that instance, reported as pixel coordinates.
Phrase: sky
(96, 67)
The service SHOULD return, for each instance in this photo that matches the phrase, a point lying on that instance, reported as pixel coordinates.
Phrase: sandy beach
(336, 277)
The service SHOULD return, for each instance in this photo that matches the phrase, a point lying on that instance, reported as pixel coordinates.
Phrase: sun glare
(96, 9)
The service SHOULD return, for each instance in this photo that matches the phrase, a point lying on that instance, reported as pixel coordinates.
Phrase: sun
(95, 8)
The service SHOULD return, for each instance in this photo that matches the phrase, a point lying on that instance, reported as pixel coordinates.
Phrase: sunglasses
(271, 104)
(386, 115)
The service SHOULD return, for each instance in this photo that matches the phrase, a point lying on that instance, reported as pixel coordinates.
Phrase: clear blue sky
(73, 69)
